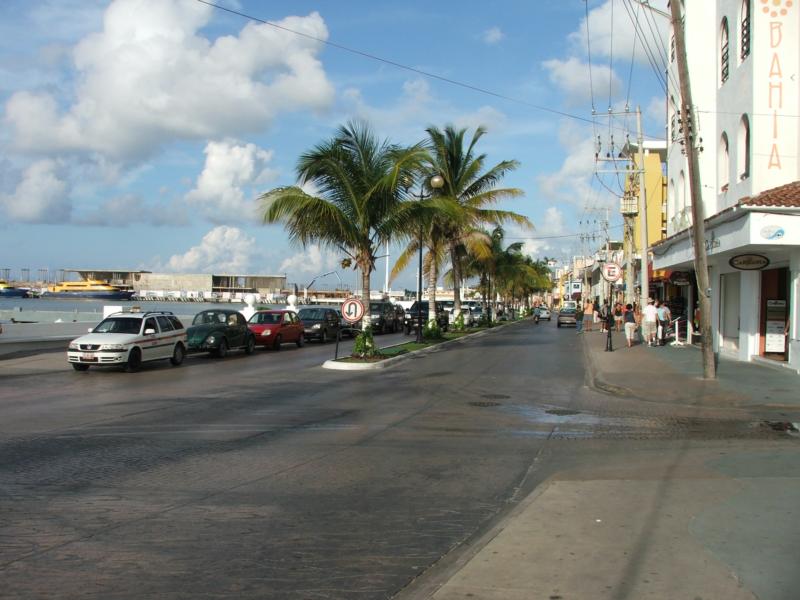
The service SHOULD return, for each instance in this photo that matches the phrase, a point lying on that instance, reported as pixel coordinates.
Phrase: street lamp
(436, 182)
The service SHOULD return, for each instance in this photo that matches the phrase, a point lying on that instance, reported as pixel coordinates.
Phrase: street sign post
(611, 272)
(352, 310)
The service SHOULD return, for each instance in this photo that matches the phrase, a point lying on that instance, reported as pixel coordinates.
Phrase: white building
(747, 103)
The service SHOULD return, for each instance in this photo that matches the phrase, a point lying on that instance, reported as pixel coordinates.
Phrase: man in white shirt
(649, 322)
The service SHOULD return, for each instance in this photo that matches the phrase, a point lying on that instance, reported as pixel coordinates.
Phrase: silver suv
(129, 339)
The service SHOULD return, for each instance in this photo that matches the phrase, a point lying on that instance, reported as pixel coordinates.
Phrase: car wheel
(79, 367)
(178, 354)
(222, 351)
(301, 341)
(323, 339)
(134, 361)
(251, 345)
(277, 344)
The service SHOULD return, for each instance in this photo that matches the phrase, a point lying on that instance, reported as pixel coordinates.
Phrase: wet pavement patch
(484, 404)
(562, 412)
(495, 396)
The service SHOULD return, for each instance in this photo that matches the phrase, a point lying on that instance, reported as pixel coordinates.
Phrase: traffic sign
(352, 310)
(611, 272)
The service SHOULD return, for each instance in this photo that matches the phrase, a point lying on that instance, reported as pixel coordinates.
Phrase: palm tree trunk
(365, 272)
(456, 281)
(433, 276)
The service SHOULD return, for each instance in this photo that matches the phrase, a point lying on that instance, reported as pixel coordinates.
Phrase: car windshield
(423, 307)
(567, 311)
(210, 317)
(266, 318)
(312, 314)
(375, 307)
(121, 325)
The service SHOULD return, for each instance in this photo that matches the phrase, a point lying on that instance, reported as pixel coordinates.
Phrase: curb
(338, 365)
(594, 382)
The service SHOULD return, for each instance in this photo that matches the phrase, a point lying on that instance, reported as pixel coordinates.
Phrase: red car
(275, 327)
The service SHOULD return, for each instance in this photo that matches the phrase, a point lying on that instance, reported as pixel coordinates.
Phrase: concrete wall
(172, 281)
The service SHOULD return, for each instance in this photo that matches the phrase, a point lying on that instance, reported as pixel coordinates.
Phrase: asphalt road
(270, 477)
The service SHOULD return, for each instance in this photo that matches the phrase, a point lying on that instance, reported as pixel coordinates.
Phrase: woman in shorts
(630, 324)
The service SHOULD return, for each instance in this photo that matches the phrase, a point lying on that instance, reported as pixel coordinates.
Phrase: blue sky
(137, 134)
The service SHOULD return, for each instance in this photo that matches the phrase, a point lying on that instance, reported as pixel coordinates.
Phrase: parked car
(273, 328)
(566, 316)
(466, 313)
(347, 327)
(381, 316)
(320, 323)
(412, 321)
(217, 331)
(129, 339)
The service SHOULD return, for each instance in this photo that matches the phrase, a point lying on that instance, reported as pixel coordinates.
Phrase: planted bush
(431, 331)
(364, 346)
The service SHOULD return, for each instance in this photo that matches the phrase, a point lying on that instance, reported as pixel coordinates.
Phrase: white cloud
(42, 196)
(656, 110)
(130, 209)
(572, 77)
(230, 167)
(493, 35)
(149, 77)
(311, 261)
(222, 250)
(612, 32)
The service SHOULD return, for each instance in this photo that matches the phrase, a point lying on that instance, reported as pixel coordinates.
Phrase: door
(729, 315)
(150, 343)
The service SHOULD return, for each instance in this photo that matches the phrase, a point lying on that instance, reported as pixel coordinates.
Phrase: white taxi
(129, 339)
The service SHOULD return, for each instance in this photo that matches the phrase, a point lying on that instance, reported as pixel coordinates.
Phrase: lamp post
(435, 182)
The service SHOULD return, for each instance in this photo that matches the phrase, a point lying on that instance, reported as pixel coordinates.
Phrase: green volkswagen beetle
(218, 330)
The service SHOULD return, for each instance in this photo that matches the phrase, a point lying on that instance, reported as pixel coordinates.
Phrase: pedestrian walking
(649, 322)
(664, 317)
(630, 324)
(579, 318)
(588, 315)
(618, 314)
(604, 313)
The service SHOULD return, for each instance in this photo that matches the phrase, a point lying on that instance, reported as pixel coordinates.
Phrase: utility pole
(698, 223)
(645, 268)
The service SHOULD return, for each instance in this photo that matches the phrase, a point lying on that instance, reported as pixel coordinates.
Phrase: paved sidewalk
(673, 375)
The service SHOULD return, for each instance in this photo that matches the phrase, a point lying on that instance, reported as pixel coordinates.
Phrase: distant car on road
(566, 316)
(544, 313)
(320, 323)
(217, 331)
(129, 339)
(411, 322)
(273, 328)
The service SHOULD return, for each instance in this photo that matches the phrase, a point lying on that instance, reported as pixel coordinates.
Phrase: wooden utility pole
(698, 222)
(645, 269)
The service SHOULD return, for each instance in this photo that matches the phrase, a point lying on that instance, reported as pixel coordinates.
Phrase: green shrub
(431, 331)
(365, 345)
(458, 324)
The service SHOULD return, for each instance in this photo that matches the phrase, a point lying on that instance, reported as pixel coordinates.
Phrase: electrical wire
(611, 59)
(568, 235)
(386, 61)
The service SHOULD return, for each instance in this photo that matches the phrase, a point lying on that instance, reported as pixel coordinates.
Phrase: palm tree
(357, 203)
(473, 189)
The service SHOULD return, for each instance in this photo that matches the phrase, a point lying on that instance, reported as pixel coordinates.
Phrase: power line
(569, 235)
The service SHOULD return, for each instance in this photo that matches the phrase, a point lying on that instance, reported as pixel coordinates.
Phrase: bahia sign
(749, 262)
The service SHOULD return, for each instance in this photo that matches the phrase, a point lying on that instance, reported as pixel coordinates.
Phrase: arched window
(672, 210)
(743, 149)
(744, 21)
(673, 123)
(724, 58)
(723, 164)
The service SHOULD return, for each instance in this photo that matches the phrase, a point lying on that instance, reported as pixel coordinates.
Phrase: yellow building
(656, 193)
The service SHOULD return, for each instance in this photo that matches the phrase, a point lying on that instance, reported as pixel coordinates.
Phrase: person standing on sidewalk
(664, 317)
(649, 322)
(588, 315)
(618, 313)
(579, 318)
(630, 324)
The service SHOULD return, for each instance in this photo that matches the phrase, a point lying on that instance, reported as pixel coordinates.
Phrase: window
(164, 323)
(743, 149)
(745, 24)
(150, 323)
(723, 164)
(724, 61)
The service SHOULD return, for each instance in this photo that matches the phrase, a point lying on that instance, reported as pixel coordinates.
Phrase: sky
(139, 134)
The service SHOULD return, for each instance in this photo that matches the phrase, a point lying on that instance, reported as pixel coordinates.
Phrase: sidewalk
(706, 519)
(672, 374)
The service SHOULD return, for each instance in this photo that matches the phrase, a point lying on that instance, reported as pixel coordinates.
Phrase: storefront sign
(776, 326)
(772, 232)
(749, 262)
(680, 278)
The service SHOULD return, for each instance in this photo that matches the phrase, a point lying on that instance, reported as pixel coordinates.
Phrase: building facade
(746, 128)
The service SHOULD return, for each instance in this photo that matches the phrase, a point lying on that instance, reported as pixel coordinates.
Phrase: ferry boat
(9, 291)
(98, 290)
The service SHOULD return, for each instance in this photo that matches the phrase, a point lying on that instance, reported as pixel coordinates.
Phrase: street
(270, 477)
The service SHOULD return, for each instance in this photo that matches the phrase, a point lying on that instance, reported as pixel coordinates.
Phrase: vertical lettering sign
(779, 19)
